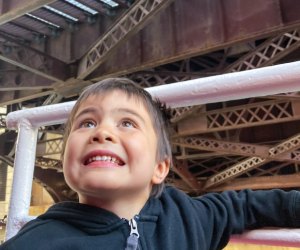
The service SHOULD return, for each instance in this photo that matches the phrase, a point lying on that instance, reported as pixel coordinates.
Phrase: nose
(103, 134)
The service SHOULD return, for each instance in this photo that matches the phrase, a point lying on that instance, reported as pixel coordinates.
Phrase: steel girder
(259, 113)
(286, 146)
(33, 60)
(266, 54)
(131, 22)
(237, 148)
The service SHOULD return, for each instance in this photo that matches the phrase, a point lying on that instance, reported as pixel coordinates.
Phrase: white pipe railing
(232, 86)
(23, 175)
(273, 237)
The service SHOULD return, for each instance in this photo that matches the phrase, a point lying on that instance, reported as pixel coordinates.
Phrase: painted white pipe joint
(41, 116)
(22, 177)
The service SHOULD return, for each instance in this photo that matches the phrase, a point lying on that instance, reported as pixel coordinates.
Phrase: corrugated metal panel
(29, 26)
(69, 9)
(51, 17)
(33, 25)
(15, 30)
(95, 5)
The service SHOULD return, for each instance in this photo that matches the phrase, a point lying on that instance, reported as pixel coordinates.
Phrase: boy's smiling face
(111, 149)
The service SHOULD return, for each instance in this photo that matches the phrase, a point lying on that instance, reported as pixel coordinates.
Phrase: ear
(161, 171)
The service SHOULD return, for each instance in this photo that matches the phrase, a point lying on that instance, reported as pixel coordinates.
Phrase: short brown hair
(156, 110)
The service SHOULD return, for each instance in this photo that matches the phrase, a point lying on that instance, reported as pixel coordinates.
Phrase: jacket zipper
(133, 239)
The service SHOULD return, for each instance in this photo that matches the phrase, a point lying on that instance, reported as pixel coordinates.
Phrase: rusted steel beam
(263, 182)
(195, 27)
(255, 114)
(11, 100)
(131, 22)
(181, 169)
(266, 54)
(250, 163)
(234, 148)
(33, 60)
(269, 52)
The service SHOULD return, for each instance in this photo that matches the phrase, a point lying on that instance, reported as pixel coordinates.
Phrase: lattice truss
(49, 147)
(149, 79)
(282, 152)
(269, 52)
(260, 113)
(47, 163)
(2, 120)
(233, 118)
(266, 54)
(130, 23)
(198, 152)
(178, 71)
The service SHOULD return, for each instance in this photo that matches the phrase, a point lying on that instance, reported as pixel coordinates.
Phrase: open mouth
(104, 158)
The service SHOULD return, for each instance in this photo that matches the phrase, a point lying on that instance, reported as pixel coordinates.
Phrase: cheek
(143, 150)
(70, 152)
(69, 169)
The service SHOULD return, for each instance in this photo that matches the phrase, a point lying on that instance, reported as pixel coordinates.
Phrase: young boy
(116, 157)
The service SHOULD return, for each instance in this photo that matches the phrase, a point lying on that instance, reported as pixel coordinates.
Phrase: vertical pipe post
(22, 177)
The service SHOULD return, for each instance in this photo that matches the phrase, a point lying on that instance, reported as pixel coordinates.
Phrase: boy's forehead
(115, 98)
(98, 97)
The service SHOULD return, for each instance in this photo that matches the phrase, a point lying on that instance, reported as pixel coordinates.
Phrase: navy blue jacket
(173, 221)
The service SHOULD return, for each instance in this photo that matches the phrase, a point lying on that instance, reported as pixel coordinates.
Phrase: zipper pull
(133, 228)
(132, 240)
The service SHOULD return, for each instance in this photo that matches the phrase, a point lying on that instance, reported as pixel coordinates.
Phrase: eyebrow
(84, 111)
(119, 110)
(132, 112)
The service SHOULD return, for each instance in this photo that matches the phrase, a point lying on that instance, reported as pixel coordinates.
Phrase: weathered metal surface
(184, 29)
(260, 113)
(125, 27)
(189, 28)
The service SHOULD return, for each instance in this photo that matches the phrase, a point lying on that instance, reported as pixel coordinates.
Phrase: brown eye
(87, 124)
(127, 124)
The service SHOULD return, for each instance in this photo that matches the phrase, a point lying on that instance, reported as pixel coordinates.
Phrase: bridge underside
(47, 58)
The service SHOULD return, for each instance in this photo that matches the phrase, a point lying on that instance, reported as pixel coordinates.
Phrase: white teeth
(103, 158)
